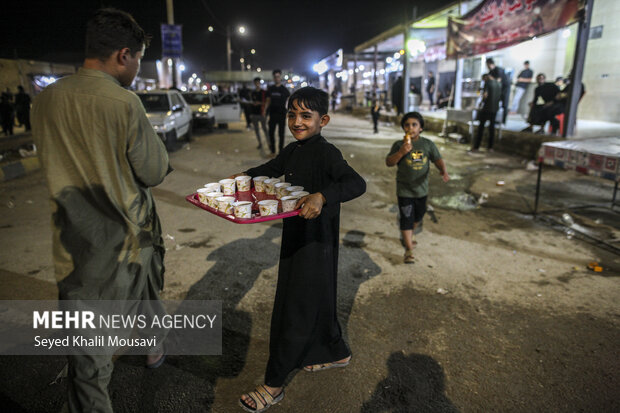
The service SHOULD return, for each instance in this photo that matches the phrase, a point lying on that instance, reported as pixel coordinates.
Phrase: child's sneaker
(409, 259)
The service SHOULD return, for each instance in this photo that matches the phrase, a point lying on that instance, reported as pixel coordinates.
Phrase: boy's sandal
(327, 366)
(409, 258)
(262, 398)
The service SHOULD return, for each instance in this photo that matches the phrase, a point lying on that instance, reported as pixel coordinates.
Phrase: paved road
(499, 313)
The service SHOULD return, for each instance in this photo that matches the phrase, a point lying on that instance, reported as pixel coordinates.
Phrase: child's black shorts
(412, 210)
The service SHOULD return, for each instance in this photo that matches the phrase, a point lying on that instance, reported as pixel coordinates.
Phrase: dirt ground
(498, 314)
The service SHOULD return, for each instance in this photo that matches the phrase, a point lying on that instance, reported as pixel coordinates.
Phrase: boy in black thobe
(304, 326)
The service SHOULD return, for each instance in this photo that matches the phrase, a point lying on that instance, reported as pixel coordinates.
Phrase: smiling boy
(305, 332)
(412, 155)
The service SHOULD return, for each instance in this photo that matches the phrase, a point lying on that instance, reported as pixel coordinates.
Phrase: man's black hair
(527, 62)
(490, 60)
(110, 30)
(415, 115)
(257, 79)
(276, 71)
(312, 98)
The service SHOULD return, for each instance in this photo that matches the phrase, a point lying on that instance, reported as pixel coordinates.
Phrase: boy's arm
(441, 165)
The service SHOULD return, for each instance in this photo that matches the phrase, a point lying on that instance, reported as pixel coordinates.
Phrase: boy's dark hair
(312, 98)
(257, 79)
(110, 30)
(415, 115)
(276, 71)
(490, 60)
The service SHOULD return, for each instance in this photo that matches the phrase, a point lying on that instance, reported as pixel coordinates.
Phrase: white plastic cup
(270, 185)
(243, 209)
(243, 183)
(211, 198)
(268, 207)
(300, 194)
(289, 202)
(202, 195)
(259, 183)
(281, 189)
(292, 189)
(214, 187)
(228, 186)
(224, 204)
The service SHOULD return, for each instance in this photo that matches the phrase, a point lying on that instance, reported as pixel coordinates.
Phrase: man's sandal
(262, 398)
(327, 366)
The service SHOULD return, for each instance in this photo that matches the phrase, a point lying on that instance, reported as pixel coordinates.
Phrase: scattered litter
(10, 204)
(514, 251)
(567, 219)
(576, 268)
(195, 169)
(484, 197)
(26, 153)
(569, 233)
(431, 213)
(442, 291)
(531, 166)
(598, 221)
(225, 288)
(594, 266)
(538, 295)
(455, 136)
(188, 147)
(352, 155)
(541, 270)
(236, 150)
(29, 202)
(219, 152)
(500, 183)
(442, 148)
(168, 236)
(177, 247)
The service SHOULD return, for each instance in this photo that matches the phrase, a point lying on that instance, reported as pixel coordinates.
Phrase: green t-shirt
(413, 168)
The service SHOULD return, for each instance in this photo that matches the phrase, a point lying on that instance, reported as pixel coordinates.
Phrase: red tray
(251, 196)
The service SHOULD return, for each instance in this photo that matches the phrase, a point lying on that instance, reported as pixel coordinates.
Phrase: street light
(210, 28)
(253, 51)
(242, 29)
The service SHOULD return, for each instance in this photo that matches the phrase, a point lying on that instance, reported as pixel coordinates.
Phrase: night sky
(286, 34)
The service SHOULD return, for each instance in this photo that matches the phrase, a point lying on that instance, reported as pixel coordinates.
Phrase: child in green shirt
(412, 155)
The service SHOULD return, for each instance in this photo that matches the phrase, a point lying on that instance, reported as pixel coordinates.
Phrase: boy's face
(305, 123)
(412, 128)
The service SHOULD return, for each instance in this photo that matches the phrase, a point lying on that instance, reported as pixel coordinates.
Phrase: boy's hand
(445, 177)
(236, 175)
(406, 148)
(311, 205)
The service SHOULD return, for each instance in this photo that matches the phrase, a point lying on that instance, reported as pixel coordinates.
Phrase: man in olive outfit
(100, 157)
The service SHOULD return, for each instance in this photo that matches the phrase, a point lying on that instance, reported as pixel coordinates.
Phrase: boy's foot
(261, 398)
(325, 366)
(409, 258)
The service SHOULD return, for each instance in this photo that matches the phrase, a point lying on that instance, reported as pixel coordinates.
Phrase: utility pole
(406, 66)
(583, 33)
(228, 51)
(170, 10)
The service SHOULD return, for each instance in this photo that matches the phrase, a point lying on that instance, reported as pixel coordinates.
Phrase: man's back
(99, 154)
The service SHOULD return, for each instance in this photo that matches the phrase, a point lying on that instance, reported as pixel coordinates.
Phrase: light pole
(241, 30)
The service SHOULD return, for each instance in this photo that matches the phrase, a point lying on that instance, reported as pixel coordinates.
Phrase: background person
(523, 81)
(100, 156)
(276, 109)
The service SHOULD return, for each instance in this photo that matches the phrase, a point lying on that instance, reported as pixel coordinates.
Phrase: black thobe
(304, 323)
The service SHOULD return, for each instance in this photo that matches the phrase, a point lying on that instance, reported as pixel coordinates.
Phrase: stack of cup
(281, 189)
(259, 183)
(270, 185)
(228, 186)
(211, 198)
(243, 183)
(268, 207)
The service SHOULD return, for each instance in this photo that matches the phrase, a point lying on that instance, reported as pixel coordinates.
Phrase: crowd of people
(12, 107)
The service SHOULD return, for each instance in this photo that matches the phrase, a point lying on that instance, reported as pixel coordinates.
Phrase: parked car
(169, 114)
(203, 110)
(209, 109)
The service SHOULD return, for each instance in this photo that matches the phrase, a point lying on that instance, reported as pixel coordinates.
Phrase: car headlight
(164, 127)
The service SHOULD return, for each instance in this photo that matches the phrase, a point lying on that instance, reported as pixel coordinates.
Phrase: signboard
(495, 24)
(171, 41)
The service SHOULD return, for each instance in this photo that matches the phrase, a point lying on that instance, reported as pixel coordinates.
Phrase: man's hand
(311, 205)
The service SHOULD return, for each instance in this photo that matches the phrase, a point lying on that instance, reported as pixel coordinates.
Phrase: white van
(169, 114)
(209, 109)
